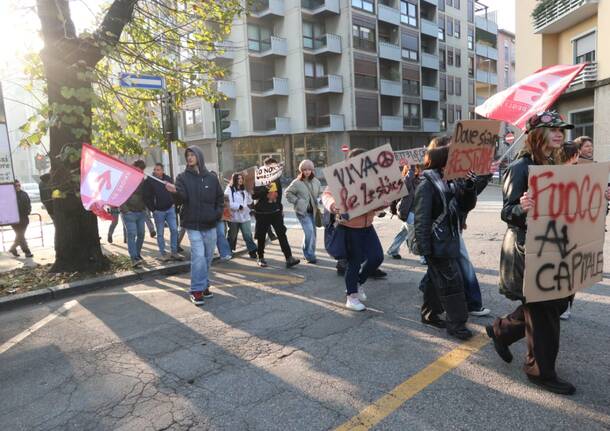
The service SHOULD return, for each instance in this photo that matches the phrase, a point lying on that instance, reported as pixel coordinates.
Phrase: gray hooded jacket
(201, 195)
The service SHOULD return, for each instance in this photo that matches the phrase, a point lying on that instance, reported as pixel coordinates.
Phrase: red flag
(530, 95)
(105, 180)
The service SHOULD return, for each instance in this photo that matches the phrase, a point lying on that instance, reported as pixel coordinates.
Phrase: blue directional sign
(133, 80)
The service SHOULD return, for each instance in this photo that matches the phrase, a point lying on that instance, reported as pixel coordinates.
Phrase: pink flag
(105, 180)
(530, 95)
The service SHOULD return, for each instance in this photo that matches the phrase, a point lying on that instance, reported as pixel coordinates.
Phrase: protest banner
(265, 175)
(9, 210)
(472, 148)
(564, 244)
(414, 156)
(363, 183)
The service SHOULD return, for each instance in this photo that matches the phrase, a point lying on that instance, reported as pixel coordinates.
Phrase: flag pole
(517, 141)
(154, 178)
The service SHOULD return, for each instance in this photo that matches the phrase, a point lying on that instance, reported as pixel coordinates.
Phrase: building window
(410, 47)
(411, 116)
(365, 5)
(442, 84)
(458, 113)
(584, 49)
(583, 124)
(443, 119)
(408, 13)
(365, 74)
(313, 35)
(193, 123)
(449, 56)
(506, 77)
(470, 6)
(456, 4)
(458, 58)
(449, 26)
(458, 86)
(410, 87)
(441, 27)
(441, 5)
(471, 66)
(506, 52)
(451, 114)
(442, 64)
(315, 75)
(470, 38)
(450, 86)
(364, 37)
(367, 111)
(471, 93)
(457, 33)
(259, 38)
(449, 2)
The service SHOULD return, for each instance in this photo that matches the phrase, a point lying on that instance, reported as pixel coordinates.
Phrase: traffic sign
(345, 148)
(134, 80)
(509, 138)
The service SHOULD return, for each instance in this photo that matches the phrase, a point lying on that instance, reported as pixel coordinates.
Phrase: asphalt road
(275, 350)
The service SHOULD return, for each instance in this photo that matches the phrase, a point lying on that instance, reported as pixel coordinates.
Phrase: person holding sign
(269, 212)
(539, 321)
(304, 193)
(438, 207)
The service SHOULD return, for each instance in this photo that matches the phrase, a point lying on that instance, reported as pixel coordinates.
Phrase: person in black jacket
(160, 202)
(269, 211)
(437, 222)
(403, 209)
(538, 322)
(25, 208)
(202, 198)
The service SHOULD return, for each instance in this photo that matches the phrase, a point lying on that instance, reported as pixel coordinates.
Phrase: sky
(506, 12)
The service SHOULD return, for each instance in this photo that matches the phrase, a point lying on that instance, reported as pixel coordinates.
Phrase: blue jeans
(472, 290)
(134, 223)
(246, 233)
(401, 236)
(309, 240)
(364, 256)
(221, 240)
(161, 217)
(203, 243)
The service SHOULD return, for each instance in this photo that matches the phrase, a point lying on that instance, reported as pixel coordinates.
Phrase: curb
(82, 287)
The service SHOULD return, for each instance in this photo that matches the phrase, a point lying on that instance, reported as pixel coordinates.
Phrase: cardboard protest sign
(472, 148)
(265, 175)
(365, 182)
(564, 245)
(9, 211)
(411, 157)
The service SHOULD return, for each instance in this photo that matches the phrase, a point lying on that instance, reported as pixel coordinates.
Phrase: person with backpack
(240, 202)
(363, 249)
(304, 193)
(403, 209)
(437, 208)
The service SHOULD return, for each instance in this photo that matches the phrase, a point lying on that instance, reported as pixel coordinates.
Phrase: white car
(32, 190)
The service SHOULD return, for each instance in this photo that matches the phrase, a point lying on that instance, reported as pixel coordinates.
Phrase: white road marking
(36, 326)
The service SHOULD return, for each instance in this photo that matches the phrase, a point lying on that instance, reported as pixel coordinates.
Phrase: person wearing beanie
(304, 193)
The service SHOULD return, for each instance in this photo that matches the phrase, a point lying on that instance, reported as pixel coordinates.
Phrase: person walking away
(538, 322)
(437, 209)
(46, 195)
(201, 196)
(240, 201)
(161, 203)
(133, 212)
(24, 207)
(404, 211)
(364, 251)
(270, 212)
(114, 213)
(222, 244)
(304, 193)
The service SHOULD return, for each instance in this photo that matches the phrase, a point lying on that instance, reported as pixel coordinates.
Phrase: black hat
(550, 119)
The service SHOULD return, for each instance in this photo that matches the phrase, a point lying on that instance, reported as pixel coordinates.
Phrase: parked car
(32, 190)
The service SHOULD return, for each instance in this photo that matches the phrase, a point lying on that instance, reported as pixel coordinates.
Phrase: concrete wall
(565, 48)
(528, 45)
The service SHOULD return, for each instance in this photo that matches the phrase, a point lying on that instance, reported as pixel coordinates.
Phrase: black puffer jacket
(512, 256)
(201, 196)
(428, 206)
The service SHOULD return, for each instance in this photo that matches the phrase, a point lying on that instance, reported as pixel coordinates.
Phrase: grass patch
(24, 279)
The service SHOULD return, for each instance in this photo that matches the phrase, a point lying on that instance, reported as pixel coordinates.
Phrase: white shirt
(236, 199)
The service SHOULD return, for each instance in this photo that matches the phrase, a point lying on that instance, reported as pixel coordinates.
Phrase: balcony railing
(321, 6)
(430, 93)
(431, 125)
(429, 28)
(484, 23)
(389, 51)
(267, 47)
(390, 88)
(227, 88)
(274, 126)
(329, 122)
(555, 16)
(364, 44)
(324, 84)
(588, 74)
(388, 14)
(263, 8)
(391, 123)
(429, 61)
(327, 43)
(486, 51)
(270, 87)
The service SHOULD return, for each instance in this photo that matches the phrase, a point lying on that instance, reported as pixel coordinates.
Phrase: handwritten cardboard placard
(9, 211)
(366, 182)
(265, 175)
(472, 148)
(414, 156)
(564, 244)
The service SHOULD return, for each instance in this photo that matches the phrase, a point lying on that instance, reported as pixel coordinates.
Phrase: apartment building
(506, 59)
(305, 77)
(571, 32)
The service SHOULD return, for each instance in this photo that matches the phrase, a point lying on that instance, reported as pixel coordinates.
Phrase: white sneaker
(354, 304)
(567, 314)
(480, 313)
(361, 294)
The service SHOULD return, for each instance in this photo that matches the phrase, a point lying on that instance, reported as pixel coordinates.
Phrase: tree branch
(109, 32)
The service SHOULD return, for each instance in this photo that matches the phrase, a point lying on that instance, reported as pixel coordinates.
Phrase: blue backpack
(334, 237)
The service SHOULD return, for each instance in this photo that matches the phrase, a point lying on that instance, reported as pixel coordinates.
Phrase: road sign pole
(167, 127)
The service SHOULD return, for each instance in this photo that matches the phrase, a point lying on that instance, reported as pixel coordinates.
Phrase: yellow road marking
(384, 406)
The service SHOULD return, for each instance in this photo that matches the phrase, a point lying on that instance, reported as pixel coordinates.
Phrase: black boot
(457, 315)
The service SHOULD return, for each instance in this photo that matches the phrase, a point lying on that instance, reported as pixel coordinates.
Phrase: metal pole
(507, 152)
(218, 138)
(167, 126)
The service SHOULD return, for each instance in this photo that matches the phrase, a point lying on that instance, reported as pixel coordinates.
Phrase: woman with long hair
(538, 322)
(303, 193)
(364, 252)
(240, 201)
(438, 207)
